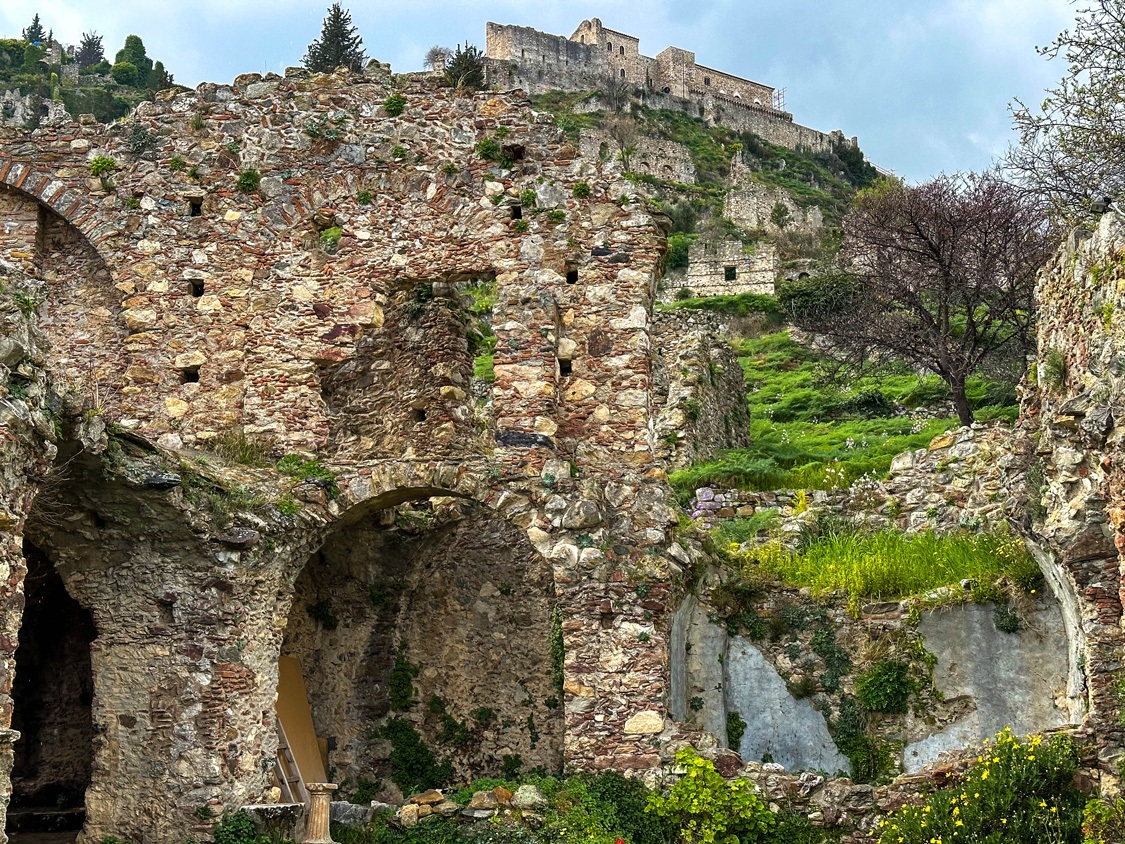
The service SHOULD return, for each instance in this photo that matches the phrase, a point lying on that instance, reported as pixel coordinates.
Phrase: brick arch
(65, 198)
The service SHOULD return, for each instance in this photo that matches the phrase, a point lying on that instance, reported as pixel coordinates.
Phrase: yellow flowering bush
(1017, 790)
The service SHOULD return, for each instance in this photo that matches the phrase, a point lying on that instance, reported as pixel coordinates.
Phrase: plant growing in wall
(248, 180)
(394, 105)
(885, 687)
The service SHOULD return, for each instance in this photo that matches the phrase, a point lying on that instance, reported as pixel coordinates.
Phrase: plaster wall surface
(1013, 680)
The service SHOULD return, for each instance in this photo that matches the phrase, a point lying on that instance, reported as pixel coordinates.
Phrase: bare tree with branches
(436, 58)
(1070, 147)
(624, 132)
(941, 276)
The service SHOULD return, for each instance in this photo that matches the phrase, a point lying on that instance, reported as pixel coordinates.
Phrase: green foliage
(528, 198)
(248, 180)
(330, 238)
(705, 808)
(464, 69)
(363, 197)
(807, 432)
(511, 765)
(885, 687)
(321, 612)
(339, 45)
(287, 506)
(870, 761)
(489, 149)
(1016, 791)
(176, 163)
(556, 215)
(236, 828)
(558, 650)
(521, 226)
(1006, 619)
(581, 190)
(740, 304)
(483, 367)
(679, 245)
(101, 165)
(890, 564)
(312, 471)
(400, 684)
(1052, 372)
(239, 447)
(394, 105)
(736, 728)
(1103, 821)
(125, 73)
(744, 528)
(35, 31)
(413, 765)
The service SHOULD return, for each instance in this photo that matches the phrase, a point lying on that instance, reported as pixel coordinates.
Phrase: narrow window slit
(517, 212)
(565, 368)
(572, 274)
(189, 375)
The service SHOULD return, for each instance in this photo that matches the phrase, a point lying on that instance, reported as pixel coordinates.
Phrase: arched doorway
(52, 696)
(434, 624)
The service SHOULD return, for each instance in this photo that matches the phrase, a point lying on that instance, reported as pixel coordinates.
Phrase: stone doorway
(52, 697)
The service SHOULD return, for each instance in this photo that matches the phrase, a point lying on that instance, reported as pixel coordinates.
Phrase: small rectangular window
(189, 375)
(730, 273)
(565, 368)
(571, 273)
(517, 212)
(196, 287)
(196, 206)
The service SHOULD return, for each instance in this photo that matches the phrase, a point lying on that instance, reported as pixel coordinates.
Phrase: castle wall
(711, 265)
(751, 205)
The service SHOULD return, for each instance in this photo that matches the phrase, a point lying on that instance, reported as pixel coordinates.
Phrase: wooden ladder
(286, 773)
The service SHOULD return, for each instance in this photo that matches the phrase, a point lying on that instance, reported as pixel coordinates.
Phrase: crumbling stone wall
(306, 316)
(1075, 476)
(725, 267)
(752, 205)
(699, 404)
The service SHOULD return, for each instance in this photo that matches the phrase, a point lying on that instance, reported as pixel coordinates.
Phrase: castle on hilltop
(537, 62)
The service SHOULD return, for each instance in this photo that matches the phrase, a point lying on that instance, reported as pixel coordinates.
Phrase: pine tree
(35, 33)
(90, 50)
(465, 68)
(338, 45)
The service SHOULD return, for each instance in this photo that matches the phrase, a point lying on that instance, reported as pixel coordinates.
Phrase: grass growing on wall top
(889, 564)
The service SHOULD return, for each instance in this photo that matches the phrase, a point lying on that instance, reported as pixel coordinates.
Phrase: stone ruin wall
(178, 309)
(538, 62)
(710, 263)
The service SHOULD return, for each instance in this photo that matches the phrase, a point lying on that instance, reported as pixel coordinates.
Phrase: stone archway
(436, 616)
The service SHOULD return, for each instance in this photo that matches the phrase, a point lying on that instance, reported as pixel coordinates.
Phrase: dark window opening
(196, 207)
(517, 212)
(565, 368)
(419, 414)
(609, 46)
(706, 80)
(515, 152)
(189, 375)
(196, 287)
(730, 273)
(571, 274)
(622, 73)
(666, 90)
(622, 51)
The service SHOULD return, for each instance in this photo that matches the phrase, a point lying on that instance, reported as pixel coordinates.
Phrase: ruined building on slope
(537, 62)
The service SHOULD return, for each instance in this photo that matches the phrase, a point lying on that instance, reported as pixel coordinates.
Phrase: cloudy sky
(925, 84)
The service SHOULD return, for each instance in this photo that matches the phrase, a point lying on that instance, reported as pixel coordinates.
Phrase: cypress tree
(35, 33)
(134, 53)
(338, 46)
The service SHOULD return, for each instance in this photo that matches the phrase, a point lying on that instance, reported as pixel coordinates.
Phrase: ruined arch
(426, 592)
(61, 198)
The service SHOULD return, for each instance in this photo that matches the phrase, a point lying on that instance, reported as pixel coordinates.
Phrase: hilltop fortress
(537, 62)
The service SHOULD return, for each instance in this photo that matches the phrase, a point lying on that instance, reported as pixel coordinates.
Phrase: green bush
(101, 165)
(248, 180)
(330, 238)
(704, 807)
(400, 685)
(489, 150)
(1016, 791)
(581, 190)
(394, 105)
(1104, 821)
(679, 245)
(236, 828)
(885, 687)
(413, 765)
(125, 73)
(736, 728)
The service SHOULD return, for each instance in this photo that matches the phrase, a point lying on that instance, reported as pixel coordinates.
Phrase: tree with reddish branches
(939, 275)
